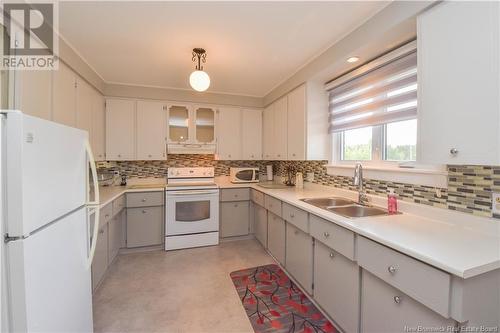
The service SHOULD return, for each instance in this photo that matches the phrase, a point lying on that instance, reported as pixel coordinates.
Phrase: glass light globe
(199, 80)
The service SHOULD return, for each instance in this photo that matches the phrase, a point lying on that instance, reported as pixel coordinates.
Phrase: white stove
(192, 208)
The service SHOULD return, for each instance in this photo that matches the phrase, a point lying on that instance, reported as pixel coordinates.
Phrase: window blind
(383, 95)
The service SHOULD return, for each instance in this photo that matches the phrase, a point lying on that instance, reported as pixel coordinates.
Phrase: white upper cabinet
(229, 134)
(204, 125)
(251, 134)
(34, 93)
(458, 81)
(98, 126)
(151, 127)
(179, 117)
(268, 142)
(120, 129)
(64, 96)
(84, 105)
(280, 129)
(296, 133)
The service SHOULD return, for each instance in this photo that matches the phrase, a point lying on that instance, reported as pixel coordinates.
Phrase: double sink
(345, 207)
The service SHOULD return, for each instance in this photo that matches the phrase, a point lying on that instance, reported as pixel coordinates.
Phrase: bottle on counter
(299, 180)
(392, 202)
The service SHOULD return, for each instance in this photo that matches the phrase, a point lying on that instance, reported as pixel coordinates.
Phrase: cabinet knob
(397, 299)
(106, 216)
(143, 200)
(101, 231)
(236, 195)
(454, 151)
(293, 154)
(391, 269)
(292, 215)
(119, 155)
(149, 155)
(296, 232)
(235, 205)
(251, 156)
(326, 234)
(144, 211)
(279, 155)
(332, 254)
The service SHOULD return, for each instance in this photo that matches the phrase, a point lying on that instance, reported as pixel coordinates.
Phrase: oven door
(192, 211)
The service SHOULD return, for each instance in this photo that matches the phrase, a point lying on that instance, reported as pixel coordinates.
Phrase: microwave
(244, 175)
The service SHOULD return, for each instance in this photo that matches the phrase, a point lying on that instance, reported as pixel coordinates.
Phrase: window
(373, 110)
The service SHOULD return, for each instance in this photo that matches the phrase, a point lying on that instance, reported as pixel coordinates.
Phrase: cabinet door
(115, 236)
(151, 124)
(64, 96)
(144, 226)
(84, 106)
(261, 224)
(280, 129)
(268, 142)
(234, 218)
(458, 78)
(336, 286)
(120, 129)
(299, 256)
(296, 131)
(386, 309)
(203, 125)
(98, 126)
(229, 134)
(276, 233)
(34, 93)
(101, 260)
(178, 123)
(251, 134)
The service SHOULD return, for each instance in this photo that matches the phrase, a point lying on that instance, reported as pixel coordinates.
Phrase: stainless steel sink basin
(357, 211)
(328, 202)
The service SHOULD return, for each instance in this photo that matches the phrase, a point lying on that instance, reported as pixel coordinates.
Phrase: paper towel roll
(269, 172)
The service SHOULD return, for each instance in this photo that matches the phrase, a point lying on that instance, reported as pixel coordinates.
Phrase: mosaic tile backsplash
(469, 187)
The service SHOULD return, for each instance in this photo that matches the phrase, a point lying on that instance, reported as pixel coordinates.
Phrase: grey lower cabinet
(234, 218)
(276, 236)
(115, 235)
(387, 309)
(336, 287)
(299, 256)
(101, 259)
(145, 226)
(260, 224)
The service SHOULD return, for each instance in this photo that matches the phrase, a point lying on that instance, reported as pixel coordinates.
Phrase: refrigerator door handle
(94, 175)
(93, 204)
(95, 233)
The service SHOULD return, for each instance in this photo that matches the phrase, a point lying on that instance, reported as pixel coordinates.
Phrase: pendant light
(199, 80)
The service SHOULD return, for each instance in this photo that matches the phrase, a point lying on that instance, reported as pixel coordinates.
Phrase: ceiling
(251, 46)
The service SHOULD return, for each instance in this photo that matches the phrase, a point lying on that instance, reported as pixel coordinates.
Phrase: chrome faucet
(358, 181)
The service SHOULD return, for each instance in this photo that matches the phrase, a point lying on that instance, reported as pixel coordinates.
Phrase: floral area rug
(275, 304)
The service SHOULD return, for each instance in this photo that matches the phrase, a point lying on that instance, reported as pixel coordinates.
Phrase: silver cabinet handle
(454, 151)
(391, 269)
(101, 231)
(397, 299)
(144, 211)
(143, 200)
(332, 254)
(326, 234)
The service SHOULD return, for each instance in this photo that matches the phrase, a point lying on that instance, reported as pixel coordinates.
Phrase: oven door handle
(194, 192)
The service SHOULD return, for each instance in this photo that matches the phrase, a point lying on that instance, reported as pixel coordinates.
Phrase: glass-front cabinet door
(204, 124)
(178, 123)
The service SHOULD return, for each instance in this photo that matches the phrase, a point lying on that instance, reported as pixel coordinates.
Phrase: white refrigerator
(49, 225)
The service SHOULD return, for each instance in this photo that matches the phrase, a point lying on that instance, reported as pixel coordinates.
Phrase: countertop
(457, 243)
(460, 244)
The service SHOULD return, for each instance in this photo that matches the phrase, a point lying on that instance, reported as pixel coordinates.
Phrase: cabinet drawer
(257, 197)
(386, 309)
(424, 283)
(338, 238)
(118, 204)
(296, 216)
(299, 256)
(106, 214)
(145, 199)
(235, 194)
(144, 226)
(273, 205)
(234, 218)
(336, 286)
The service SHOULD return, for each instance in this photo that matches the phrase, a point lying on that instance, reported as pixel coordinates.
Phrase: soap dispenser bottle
(392, 202)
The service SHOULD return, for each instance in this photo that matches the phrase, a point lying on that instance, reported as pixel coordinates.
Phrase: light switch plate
(495, 205)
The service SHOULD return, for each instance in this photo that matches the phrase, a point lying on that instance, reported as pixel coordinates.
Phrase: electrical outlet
(495, 205)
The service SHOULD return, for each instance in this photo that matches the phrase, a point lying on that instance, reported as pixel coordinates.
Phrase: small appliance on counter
(244, 175)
